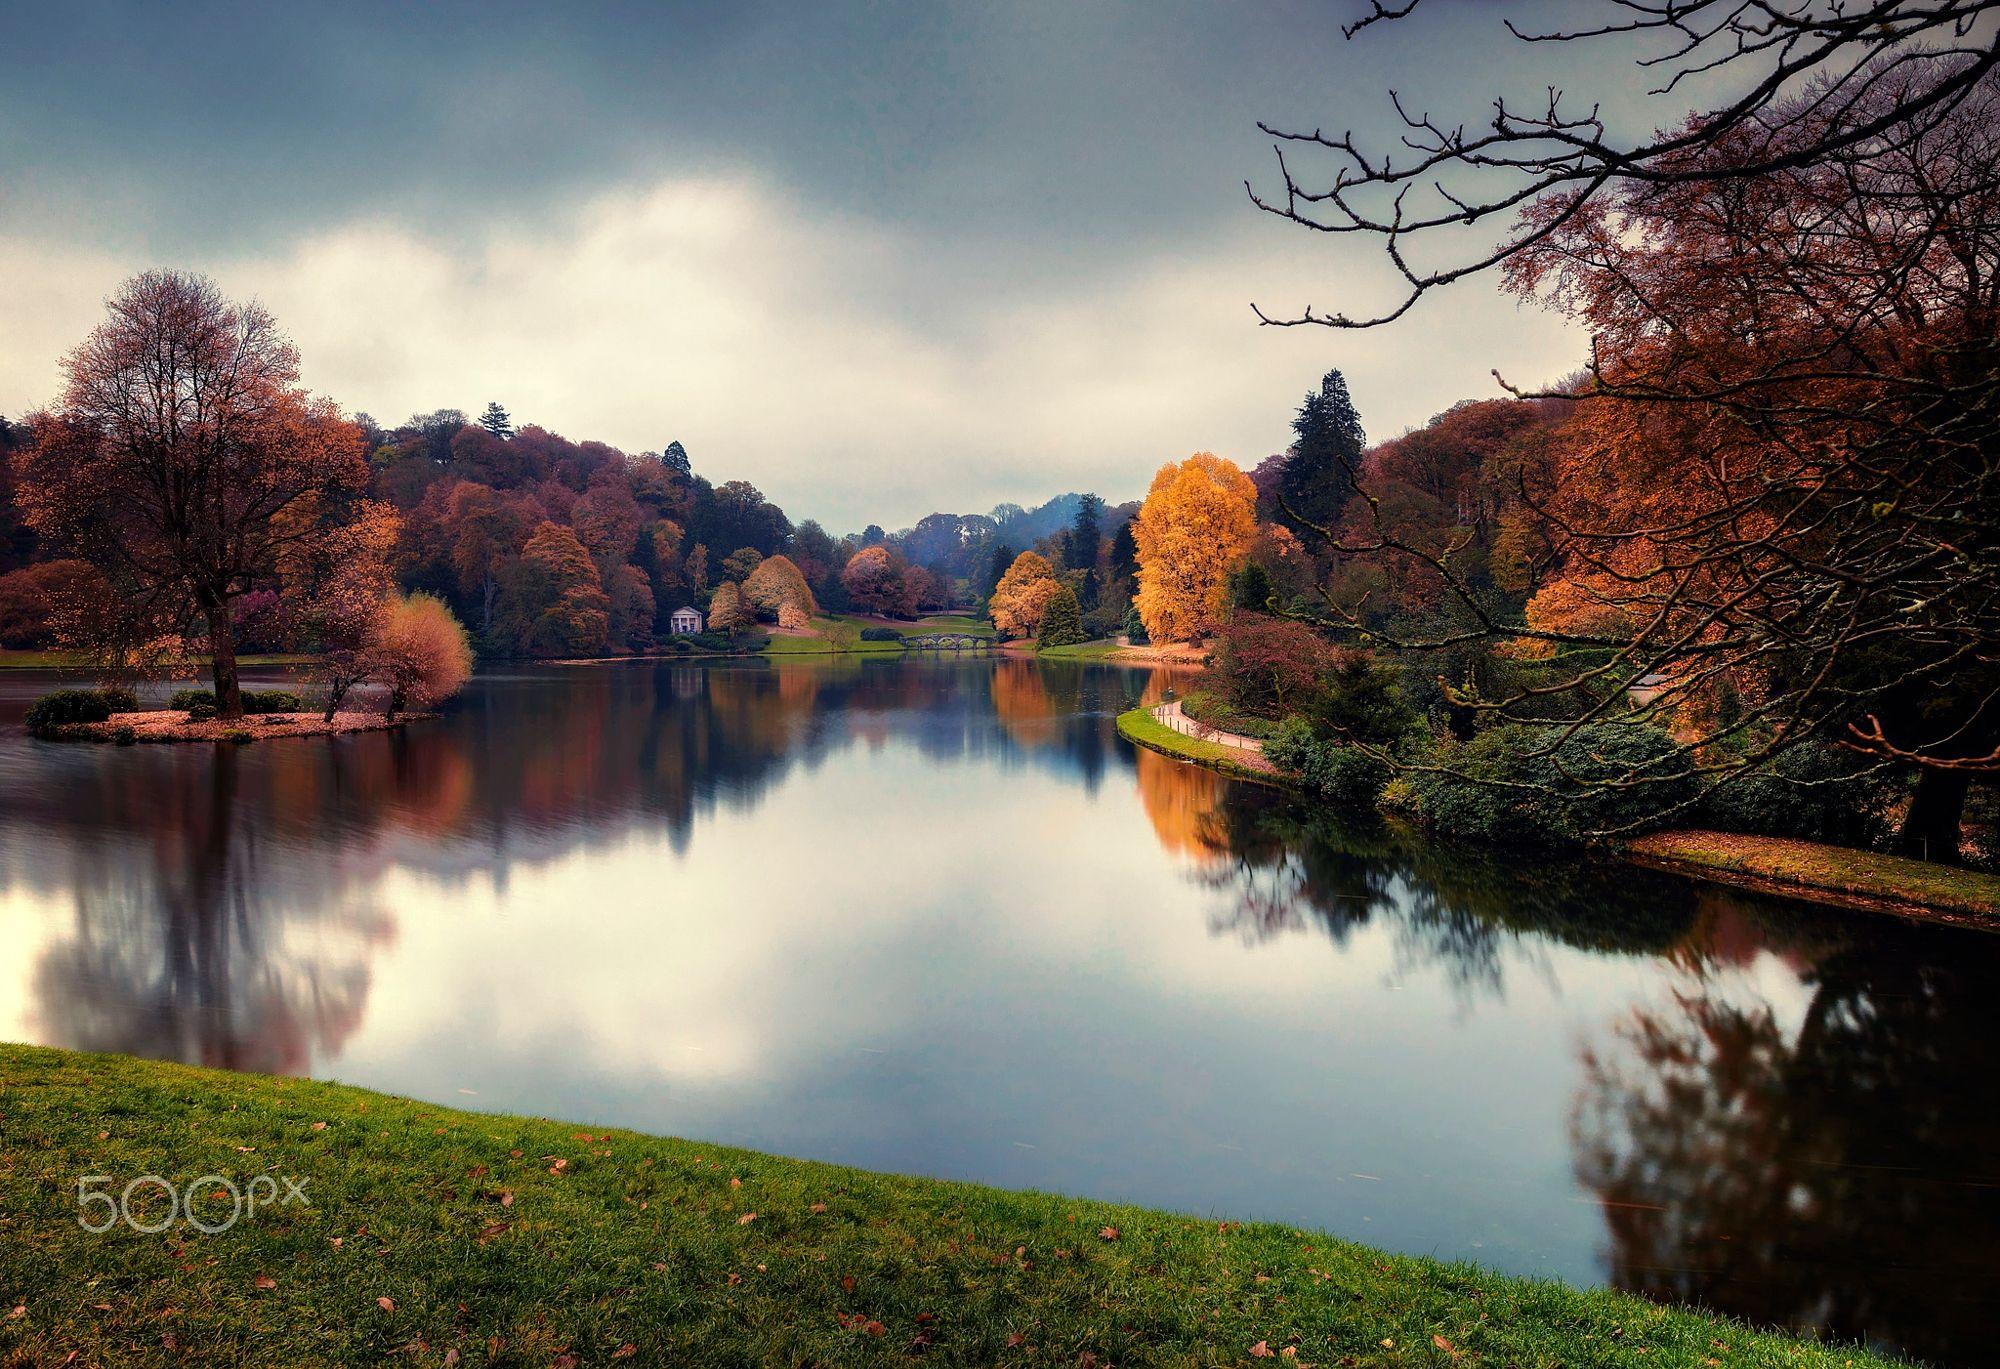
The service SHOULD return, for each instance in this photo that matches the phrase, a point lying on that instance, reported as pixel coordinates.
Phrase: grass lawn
(1217, 713)
(437, 1236)
(1140, 726)
(837, 636)
(1809, 866)
(1082, 651)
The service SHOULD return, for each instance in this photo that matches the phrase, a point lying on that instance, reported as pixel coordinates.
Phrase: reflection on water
(936, 917)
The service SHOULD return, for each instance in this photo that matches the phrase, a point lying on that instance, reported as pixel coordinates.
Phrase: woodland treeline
(549, 547)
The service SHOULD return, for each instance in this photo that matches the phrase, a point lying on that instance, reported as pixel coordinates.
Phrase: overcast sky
(879, 259)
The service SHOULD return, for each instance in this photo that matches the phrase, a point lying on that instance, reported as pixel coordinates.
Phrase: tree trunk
(336, 690)
(1930, 828)
(222, 647)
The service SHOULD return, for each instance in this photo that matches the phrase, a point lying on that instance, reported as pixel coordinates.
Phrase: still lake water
(936, 917)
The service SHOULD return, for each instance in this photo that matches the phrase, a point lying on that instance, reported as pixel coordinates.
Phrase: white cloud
(852, 370)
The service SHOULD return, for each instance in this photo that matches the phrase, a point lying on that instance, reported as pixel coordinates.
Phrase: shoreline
(166, 727)
(1812, 872)
(485, 1235)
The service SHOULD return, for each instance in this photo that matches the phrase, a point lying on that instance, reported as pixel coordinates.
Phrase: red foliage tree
(184, 462)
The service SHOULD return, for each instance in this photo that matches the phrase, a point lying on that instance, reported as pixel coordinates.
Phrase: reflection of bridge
(947, 641)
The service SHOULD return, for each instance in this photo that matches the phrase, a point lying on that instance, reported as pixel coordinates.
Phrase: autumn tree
(1062, 620)
(1778, 495)
(1197, 521)
(773, 584)
(419, 651)
(877, 581)
(36, 599)
(1271, 666)
(727, 612)
(183, 462)
(1020, 600)
(554, 603)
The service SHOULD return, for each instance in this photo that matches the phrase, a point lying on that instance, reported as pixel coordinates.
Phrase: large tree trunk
(1930, 828)
(222, 649)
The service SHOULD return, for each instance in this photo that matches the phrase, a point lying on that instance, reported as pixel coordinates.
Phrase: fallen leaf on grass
(387, 1304)
(817, 1207)
(1441, 1343)
(1107, 1233)
(334, 1241)
(451, 1355)
(735, 1182)
(490, 1230)
(1261, 1350)
(265, 1281)
(625, 1351)
(559, 1166)
(746, 1219)
(319, 1126)
(506, 1200)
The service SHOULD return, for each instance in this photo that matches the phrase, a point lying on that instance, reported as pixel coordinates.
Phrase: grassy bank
(77, 660)
(432, 1232)
(1829, 873)
(1140, 726)
(1102, 649)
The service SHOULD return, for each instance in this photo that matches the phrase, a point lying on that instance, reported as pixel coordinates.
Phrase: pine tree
(1086, 538)
(496, 421)
(675, 459)
(1062, 620)
(1318, 473)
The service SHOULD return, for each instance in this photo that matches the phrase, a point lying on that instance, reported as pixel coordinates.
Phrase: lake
(935, 916)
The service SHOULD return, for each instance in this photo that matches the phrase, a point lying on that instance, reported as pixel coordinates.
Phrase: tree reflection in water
(1835, 1167)
(214, 954)
(1842, 1172)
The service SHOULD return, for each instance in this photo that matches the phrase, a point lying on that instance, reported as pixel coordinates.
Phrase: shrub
(201, 713)
(189, 699)
(1344, 774)
(880, 634)
(118, 698)
(66, 706)
(238, 736)
(125, 735)
(710, 641)
(1062, 620)
(1507, 785)
(1813, 792)
(272, 701)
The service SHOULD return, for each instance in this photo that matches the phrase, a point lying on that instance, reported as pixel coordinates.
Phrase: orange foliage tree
(554, 604)
(184, 462)
(1196, 524)
(419, 650)
(776, 582)
(1022, 596)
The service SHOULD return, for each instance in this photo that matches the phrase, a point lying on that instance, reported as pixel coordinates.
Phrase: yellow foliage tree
(1195, 525)
(1022, 596)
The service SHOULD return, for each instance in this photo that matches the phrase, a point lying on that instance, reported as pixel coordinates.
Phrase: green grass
(1082, 651)
(951, 622)
(1217, 713)
(1812, 867)
(838, 636)
(517, 1241)
(1140, 726)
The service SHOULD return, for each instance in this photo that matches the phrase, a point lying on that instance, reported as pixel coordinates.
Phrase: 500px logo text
(211, 1203)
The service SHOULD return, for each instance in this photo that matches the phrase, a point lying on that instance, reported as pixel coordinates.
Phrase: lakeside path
(1171, 716)
(433, 1234)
